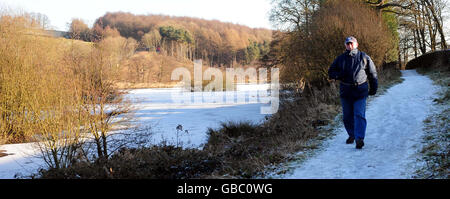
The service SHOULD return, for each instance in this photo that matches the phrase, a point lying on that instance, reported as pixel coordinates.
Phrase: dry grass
(158, 162)
(249, 150)
(436, 150)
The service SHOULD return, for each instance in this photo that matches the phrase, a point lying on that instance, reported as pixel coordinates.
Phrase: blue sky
(253, 13)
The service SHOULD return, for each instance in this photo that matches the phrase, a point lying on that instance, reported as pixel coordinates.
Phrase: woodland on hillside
(217, 43)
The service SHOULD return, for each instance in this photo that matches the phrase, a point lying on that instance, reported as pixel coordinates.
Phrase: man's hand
(372, 92)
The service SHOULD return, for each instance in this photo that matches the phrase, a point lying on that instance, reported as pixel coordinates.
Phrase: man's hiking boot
(350, 140)
(359, 144)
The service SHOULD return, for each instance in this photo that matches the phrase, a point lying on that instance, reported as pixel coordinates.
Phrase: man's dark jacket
(354, 68)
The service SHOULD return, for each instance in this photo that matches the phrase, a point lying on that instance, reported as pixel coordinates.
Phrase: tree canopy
(218, 43)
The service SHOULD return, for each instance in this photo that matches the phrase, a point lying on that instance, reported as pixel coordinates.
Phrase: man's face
(351, 45)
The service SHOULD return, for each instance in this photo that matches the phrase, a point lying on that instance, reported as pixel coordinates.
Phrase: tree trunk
(415, 44)
(431, 6)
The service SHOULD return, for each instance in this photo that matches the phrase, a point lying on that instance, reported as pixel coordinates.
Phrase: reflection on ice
(159, 109)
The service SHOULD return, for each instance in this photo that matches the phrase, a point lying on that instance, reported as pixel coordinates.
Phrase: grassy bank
(436, 150)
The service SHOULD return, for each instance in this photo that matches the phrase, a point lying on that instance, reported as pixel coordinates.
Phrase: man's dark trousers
(354, 110)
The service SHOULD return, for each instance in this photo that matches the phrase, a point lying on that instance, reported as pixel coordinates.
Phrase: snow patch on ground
(22, 159)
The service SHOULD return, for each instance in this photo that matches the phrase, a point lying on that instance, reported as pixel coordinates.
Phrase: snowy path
(393, 136)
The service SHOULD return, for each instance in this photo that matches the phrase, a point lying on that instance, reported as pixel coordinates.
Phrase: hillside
(217, 43)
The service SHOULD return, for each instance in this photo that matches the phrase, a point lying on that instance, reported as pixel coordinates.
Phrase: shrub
(157, 162)
(308, 53)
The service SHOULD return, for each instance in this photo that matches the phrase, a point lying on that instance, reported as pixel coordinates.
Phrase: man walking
(354, 68)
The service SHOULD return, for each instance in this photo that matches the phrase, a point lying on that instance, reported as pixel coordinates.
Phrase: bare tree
(421, 24)
(41, 19)
(435, 8)
(293, 14)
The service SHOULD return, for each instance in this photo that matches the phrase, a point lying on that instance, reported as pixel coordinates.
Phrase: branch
(406, 7)
(374, 3)
(395, 12)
